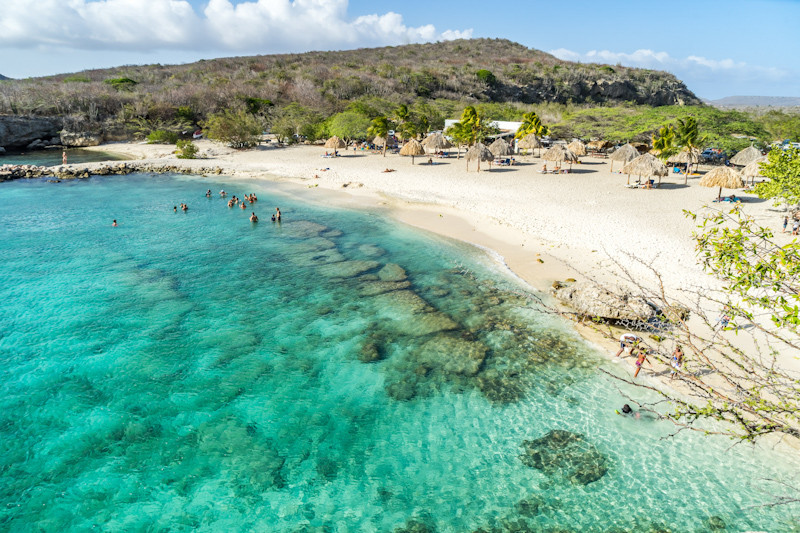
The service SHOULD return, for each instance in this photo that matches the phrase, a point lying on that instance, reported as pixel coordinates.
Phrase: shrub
(76, 78)
(187, 149)
(121, 84)
(236, 129)
(162, 137)
(486, 77)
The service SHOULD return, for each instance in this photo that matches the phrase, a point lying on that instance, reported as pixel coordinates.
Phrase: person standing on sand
(677, 362)
(785, 223)
(627, 340)
(640, 360)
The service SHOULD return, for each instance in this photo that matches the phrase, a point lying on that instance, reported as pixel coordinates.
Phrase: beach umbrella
(379, 141)
(529, 142)
(746, 156)
(599, 146)
(481, 153)
(335, 143)
(641, 147)
(436, 142)
(686, 157)
(500, 148)
(624, 154)
(559, 153)
(753, 170)
(412, 148)
(722, 177)
(577, 148)
(645, 165)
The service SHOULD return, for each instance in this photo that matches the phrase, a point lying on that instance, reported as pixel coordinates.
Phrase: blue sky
(718, 48)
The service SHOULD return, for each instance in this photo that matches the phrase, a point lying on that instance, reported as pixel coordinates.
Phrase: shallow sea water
(335, 372)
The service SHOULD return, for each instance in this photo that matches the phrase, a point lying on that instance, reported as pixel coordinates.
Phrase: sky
(718, 48)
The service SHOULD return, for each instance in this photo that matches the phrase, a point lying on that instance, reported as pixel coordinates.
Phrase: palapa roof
(379, 141)
(746, 156)
(753, 170)
(599, 145)
(529, 141)
(725, 177)
(559, 153)
(436, 141)
(645, 165)
(500, 148)
(641, 147)
(335, 142)
(625, 153)
(412, 147)
(577, 148)
(685, 156)
(479, 151)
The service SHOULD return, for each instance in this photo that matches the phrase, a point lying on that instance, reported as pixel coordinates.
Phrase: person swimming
(278, 214)
(253, 218)
(273, 217)
(208, 193)
(114, 224)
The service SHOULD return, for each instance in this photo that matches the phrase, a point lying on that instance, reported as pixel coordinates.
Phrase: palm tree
(460, 133)
(689, 138)
(380, 128)
(531, 123)
(402, 119)
(664, 143)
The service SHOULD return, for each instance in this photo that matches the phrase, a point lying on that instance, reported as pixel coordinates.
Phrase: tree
(664, 142)
(349, 125)
(187, 149)
(295, 121)
(783, 169)
(531, 124)
(403, 122)
(380, 128)
(461, 134)
(237, 129)
(688, 137)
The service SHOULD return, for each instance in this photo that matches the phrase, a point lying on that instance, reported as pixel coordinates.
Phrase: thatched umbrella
(335, 143)
(481, 153)
(686, 157)
(753, 170)
(500, 148)
(559, 153)
(435, 142)
(599, 146)
(577, 148)
(529, 142)
(645, 165)
(641, 147)
(379, 141)
(746, 156)
(726, 177)
(412, 148)
(624, 155)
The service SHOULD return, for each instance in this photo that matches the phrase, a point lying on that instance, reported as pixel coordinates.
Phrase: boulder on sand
(593, 300)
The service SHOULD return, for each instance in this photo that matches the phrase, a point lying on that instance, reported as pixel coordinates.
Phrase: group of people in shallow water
(248, 199)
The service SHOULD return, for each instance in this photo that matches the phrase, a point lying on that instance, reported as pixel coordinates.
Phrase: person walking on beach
(627, 340)
(640, 360)
(785, 223)
(677, 362)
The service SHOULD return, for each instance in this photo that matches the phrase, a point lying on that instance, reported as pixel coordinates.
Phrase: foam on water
(335, 372)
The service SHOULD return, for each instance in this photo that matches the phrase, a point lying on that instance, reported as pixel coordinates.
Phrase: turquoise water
(335, 372)
(51, 158)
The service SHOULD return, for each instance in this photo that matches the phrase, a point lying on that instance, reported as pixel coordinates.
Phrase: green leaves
(783, 169)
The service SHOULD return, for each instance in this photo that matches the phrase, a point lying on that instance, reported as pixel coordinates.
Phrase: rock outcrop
(19, 132)
(567, 455)
(613, 303)
(80, 138)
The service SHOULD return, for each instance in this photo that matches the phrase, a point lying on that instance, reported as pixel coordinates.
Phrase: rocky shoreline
(14, 172)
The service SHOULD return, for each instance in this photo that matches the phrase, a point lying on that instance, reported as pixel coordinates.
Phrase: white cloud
(249, 26)
(694, 67)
